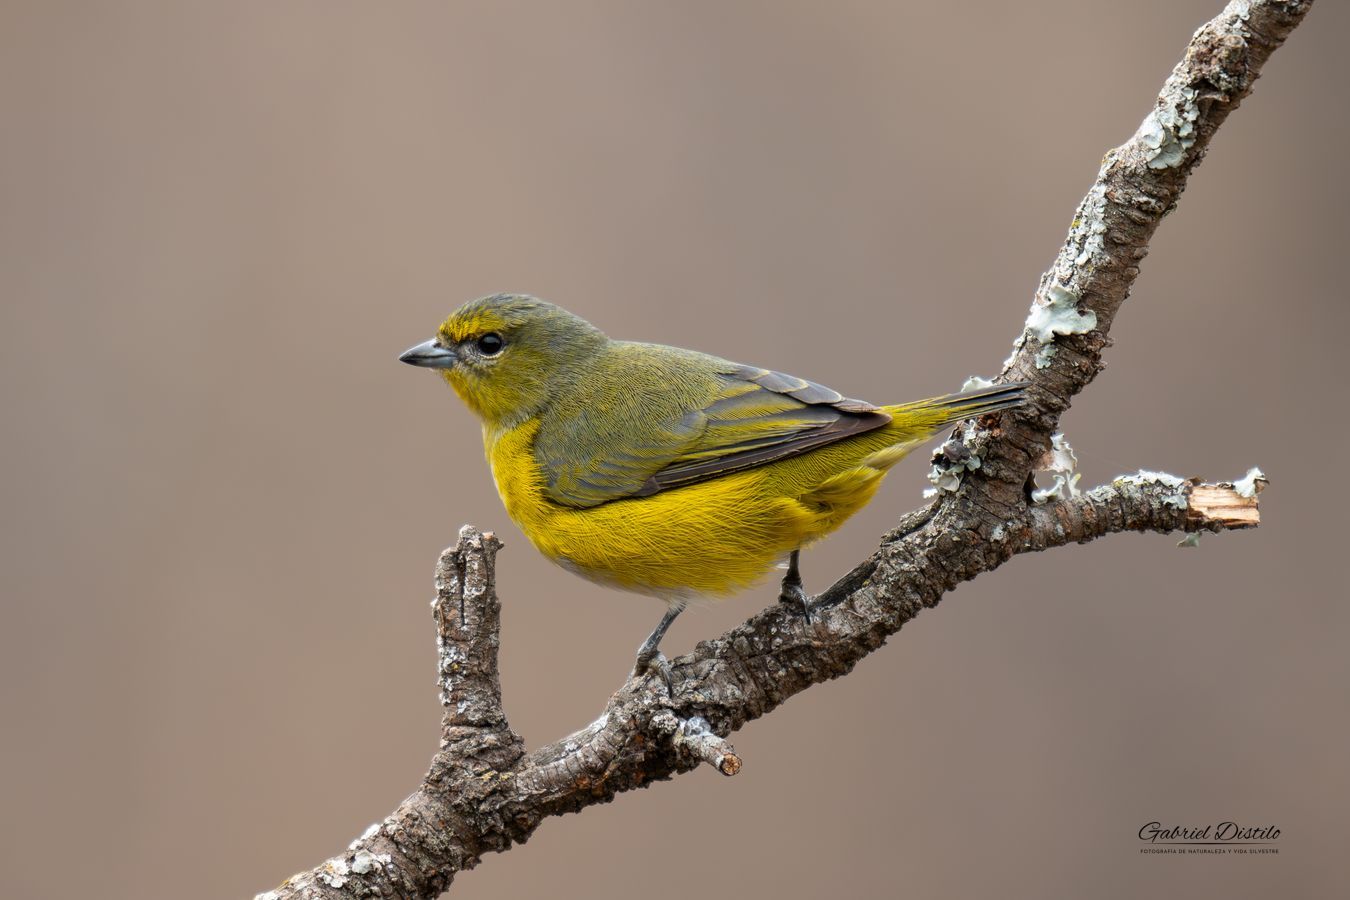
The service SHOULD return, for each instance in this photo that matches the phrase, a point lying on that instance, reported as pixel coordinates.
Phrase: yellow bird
(664, 471)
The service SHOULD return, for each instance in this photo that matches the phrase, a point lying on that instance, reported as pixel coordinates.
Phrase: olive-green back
(646, 418)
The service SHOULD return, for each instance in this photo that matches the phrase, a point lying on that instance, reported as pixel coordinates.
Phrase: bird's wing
(753, 417)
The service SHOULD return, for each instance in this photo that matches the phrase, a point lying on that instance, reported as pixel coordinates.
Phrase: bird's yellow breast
(712, 538)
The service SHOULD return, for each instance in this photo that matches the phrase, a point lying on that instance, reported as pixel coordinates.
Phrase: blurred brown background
(223, 497)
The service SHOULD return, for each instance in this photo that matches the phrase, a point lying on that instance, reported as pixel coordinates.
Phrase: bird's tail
(923, 418)
(912, 424)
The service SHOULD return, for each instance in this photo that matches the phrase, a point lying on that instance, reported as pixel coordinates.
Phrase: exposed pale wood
(1221, 505)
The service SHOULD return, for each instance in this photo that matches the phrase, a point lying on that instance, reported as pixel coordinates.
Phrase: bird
(663, 471)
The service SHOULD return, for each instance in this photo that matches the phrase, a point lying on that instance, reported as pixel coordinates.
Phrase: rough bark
(485, 792)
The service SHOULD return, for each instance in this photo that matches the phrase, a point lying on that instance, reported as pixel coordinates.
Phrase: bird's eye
(491, 344)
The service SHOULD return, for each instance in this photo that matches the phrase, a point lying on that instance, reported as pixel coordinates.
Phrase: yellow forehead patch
(470, 323)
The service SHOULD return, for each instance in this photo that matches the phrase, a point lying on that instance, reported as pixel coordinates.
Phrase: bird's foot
(653, 662)
(794, 597)
(792, 593)
(650, 659)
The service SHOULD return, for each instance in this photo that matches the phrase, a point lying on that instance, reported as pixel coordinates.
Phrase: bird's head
(508, 355)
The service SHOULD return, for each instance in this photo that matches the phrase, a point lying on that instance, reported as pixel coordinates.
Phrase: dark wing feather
(819, 417)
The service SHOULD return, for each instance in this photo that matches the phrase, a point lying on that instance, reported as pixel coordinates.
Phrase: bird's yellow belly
(712, 538)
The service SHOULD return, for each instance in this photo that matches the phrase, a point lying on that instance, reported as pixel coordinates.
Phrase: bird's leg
(648, 655)
(792, 593)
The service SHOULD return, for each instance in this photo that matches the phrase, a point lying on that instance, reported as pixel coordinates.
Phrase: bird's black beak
(430, 355)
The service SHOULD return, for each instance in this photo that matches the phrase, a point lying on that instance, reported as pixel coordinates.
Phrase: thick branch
(1137, 184)
(484, 793)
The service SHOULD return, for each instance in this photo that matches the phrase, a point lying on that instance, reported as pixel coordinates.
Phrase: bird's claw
(794, 596)
(651, 662)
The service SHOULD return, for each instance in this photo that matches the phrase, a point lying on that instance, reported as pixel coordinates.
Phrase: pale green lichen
(1055, 308)
(1252, 484)
(1176, 499)
(1089, 226)
(363, 861)
(1058, 315)
(334, 872)
(1017, 346)
(975, 383)
(945, 473)
(1100, 493)
(949, 478)
(1169, 131)
(1062, 465)
(1190, 540)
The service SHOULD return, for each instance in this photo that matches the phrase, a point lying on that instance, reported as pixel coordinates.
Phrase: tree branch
(484, 792)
